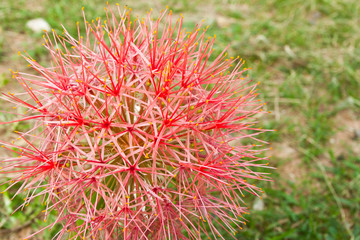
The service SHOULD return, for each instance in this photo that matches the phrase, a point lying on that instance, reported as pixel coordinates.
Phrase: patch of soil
(347, 138)
(291, 167)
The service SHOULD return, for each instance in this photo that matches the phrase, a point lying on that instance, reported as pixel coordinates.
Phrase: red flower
(137, 134)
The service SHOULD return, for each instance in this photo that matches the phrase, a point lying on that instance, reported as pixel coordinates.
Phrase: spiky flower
(137, 134)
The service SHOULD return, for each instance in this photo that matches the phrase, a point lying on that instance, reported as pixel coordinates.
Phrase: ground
(305, 54)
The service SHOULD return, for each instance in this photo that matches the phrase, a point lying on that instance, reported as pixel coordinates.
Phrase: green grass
(307, 56)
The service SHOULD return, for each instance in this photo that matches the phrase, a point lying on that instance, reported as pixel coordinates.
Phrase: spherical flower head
(136, 134)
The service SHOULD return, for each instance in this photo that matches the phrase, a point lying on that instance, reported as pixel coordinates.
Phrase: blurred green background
(306, 55)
